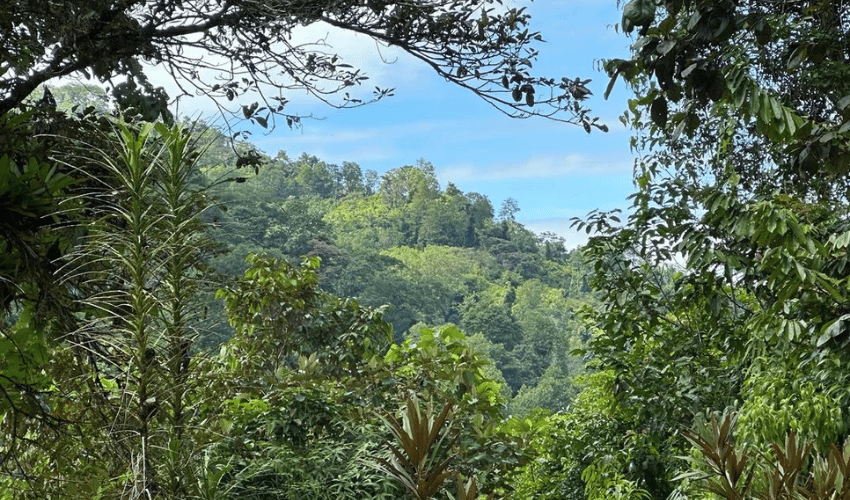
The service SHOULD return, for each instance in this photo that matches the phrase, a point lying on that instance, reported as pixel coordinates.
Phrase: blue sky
(555, 171)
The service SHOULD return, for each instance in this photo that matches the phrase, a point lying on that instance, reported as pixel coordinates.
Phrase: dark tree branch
(463, 41)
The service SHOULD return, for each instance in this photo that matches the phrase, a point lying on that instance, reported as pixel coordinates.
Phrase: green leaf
(765, 109)
(834, 292)
(665, 46)
(755, 99)
(776, 107)
(797, 57)
(790, 122)
(833, 329)
(658, 111)
(841, 240)
(638, 13)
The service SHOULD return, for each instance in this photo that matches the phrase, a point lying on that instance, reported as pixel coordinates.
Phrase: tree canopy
(749, 88)
(233, 49)
(725, 286)
(107, 388)
(723, 306)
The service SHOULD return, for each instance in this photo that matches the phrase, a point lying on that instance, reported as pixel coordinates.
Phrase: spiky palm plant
(422, 463)
(142, 257)
(793, 472)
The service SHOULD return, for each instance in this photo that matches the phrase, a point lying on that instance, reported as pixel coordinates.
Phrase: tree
(114, 376)
(316, 177)
(366, 222)
(442, 366)
(310, 377)
(741, 116)
(409, 184)
(488, 314)
(794, 470)
(763, 88)
(509, 209)
(447, 221)
(480, 214)
(104, 394)
(425, 285)
(227, 50)
(548, 330)
(588, 434)
(352, 179)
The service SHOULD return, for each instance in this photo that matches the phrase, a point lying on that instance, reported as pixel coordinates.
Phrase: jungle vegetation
(184, 317)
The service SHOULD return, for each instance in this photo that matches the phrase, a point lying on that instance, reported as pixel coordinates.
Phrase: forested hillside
(430, 256)
(182, 317)
(142, 356)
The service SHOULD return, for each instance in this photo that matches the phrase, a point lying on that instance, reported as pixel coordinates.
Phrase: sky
(555, 171)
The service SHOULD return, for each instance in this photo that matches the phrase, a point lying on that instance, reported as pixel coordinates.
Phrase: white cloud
(385, 67)
(332, 135)
(541, 167)
(550, 213)
(389, 66)
(362, 144)
(329, 151)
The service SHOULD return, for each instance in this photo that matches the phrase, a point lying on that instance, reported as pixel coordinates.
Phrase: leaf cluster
(227, 51)
(789, 471)
(738, 73)
(421, 437)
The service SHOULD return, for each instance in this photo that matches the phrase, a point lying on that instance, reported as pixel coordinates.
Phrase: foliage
(389, 255)
(155, 239)
(311, 376)
(724, 286)
(487, 312)
(288, 408)
(441, 366)
(441, 362)
(548, 333)
(294, 389)
(298, 439)
(105, 252)
(423, 440)
(567, 444)
(279, 315)
(417, 463)
(554, 390)
(118, 406)
(245, 48)
(28, 199)
(433, 291)
(35, 228)
(734, 471)
(605, 482)
(75, 98)
(790, 394)
(508, 210)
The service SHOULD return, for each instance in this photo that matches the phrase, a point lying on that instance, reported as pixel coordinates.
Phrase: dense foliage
(726, 286)
(332, 361)
(435, 256)
(110, 383)
(119, 401)
(516, 297)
